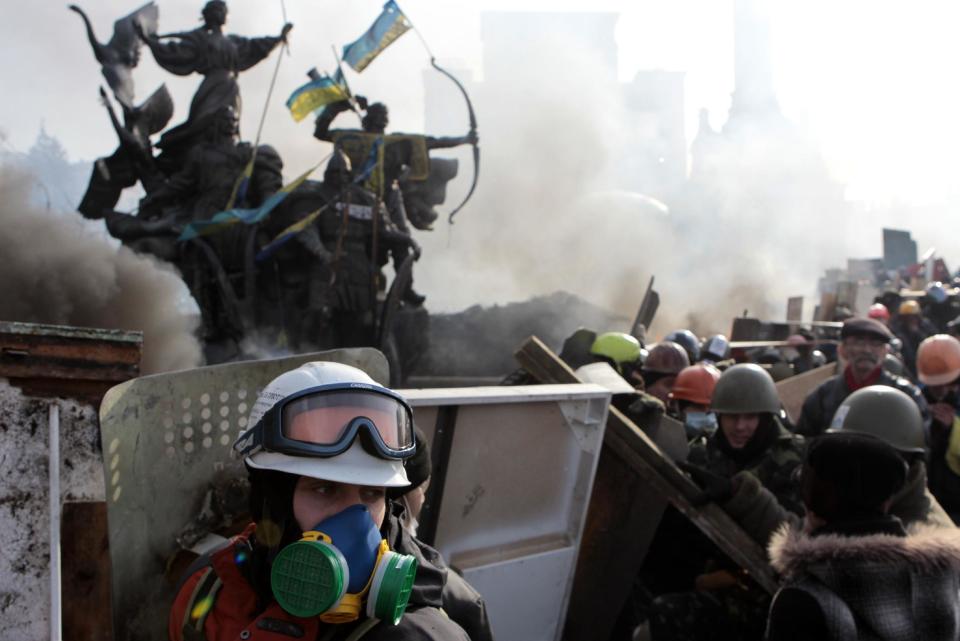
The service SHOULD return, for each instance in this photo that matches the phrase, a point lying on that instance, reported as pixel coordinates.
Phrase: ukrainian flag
(224, 219)
(314, 95)
(388, 27)
(288, 234)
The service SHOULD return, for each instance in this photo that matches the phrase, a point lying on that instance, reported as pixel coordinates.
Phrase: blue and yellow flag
(288, 234)
(314, 95)
(388, 27)
(224, 219)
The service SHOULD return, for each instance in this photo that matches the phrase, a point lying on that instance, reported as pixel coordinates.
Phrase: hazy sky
(873, 82)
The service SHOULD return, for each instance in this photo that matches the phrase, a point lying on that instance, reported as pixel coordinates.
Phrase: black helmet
(716, 348)
(688, 341)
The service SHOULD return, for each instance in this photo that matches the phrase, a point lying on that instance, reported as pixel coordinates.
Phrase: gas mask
(697, 423)
(340, 564)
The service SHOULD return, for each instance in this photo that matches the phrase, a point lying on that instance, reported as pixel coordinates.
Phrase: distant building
(650, 158)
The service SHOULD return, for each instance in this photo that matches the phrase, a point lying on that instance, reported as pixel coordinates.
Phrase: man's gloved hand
(943, 413)
(716, 488)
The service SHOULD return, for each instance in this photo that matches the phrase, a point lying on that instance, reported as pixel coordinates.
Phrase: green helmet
(745, 389)
(884, 412)
(618, 347)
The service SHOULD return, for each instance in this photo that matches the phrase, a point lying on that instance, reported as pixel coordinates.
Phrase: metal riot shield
(166, 442)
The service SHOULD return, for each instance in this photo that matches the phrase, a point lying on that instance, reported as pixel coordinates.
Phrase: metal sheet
(540, 580)
(519, 478)
(166, 439)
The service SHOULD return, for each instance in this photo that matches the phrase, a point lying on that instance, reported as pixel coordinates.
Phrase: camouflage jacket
(774, 467)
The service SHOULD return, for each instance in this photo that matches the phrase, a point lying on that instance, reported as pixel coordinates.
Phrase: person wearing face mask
(324, 557)
(938, 368)
(863, 346)
(689, 400)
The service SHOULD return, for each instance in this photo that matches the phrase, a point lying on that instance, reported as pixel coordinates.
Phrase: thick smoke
(548, 214)
(60, 269)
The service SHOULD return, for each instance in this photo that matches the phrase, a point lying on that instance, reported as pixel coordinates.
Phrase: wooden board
(75, 362)
(85, 588)
(634, 482)
(828, 304)
(795, 309)
(794, 390)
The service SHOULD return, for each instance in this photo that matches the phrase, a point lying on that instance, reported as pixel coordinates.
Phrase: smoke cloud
(61, 269)
(551, 214)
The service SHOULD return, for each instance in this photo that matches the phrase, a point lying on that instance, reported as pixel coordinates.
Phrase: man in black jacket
(863, 346)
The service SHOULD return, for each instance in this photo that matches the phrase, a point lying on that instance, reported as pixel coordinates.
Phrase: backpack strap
(200, 605)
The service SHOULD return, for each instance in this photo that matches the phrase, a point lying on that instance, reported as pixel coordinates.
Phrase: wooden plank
(795, 309)
(75, 362)
(85, 588)
(794, 390)
(828, 304)
(622, 518)
(602, 562)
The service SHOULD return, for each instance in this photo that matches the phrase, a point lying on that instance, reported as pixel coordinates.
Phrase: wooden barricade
(794, 390)
(634, 482)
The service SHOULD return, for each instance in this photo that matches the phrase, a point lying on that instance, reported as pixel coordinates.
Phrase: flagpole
(354, 107)
(263, 118)
(423, 40)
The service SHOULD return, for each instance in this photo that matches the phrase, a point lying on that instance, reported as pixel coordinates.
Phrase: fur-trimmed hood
(887, 587)
(926, 549)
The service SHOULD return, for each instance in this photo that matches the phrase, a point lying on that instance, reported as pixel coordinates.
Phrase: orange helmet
(938, 360)
(909, 308)
(879, 312)
(695, 384)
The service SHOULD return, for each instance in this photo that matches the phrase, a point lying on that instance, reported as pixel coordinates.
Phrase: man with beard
(938, 367)
(863, 347)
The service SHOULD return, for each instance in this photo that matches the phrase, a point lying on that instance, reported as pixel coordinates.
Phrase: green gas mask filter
(340, 565)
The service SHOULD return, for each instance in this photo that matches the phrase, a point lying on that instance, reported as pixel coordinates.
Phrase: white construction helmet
(307, 422)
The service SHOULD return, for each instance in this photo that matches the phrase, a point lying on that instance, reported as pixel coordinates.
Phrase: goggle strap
(251, 441)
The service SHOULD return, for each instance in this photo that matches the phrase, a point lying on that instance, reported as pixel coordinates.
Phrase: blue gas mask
(340, 564)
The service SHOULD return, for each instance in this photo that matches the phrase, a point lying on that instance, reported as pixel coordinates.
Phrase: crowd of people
(856, 499)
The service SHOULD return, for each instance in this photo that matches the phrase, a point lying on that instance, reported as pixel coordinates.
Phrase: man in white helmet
(320, 559)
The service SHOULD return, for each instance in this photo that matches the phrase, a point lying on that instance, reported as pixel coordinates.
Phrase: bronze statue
(219, 58)
(399, 150)
(119, 56)
(218, 269)
(133, 159)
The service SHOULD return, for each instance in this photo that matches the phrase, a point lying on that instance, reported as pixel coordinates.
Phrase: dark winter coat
(459, 600)
(822, 403)
(867, 580)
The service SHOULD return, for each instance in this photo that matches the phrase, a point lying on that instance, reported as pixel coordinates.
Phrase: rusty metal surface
(75, 362)
(72, 332)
